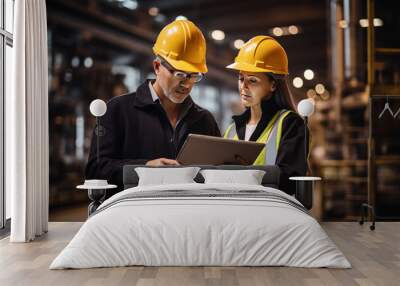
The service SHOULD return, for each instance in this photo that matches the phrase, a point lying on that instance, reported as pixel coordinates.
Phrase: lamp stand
(100, 131)
(306, 141)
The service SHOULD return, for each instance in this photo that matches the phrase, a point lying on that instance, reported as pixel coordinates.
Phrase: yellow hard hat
(261, 54)
(182, 45)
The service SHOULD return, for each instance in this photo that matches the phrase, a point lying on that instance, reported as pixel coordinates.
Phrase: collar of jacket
(190, 110)
(269, 109)
(143, 97)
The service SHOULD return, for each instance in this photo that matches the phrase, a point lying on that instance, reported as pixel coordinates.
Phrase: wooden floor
(375, 256)
(69, 213)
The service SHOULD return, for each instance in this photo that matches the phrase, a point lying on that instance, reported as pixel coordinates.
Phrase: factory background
(101, 49)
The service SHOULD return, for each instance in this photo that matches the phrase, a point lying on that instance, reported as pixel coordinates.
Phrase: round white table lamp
(305, 185)
(98, 108)
(306, 107)
(97, 188)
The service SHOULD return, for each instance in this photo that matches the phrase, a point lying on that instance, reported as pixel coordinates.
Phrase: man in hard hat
(149, 126)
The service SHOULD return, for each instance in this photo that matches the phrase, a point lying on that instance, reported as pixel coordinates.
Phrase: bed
(201, 224)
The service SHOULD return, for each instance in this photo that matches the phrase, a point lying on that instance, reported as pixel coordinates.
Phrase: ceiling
(136, 30)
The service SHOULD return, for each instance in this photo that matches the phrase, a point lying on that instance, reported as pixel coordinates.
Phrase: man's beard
(171, 95)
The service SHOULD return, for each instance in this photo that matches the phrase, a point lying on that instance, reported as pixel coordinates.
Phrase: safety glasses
(180, 75)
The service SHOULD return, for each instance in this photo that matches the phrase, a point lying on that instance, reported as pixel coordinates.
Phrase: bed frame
(270, 179)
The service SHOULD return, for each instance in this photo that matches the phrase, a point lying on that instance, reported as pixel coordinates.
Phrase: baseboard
(5, 231)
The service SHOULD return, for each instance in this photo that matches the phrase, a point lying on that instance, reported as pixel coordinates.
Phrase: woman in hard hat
(270, 115)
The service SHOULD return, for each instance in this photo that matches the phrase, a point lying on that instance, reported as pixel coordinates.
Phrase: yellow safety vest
(271, 136)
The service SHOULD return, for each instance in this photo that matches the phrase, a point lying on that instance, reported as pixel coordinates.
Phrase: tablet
(210, 150)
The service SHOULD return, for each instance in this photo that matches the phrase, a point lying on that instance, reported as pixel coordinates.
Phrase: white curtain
(27, 151)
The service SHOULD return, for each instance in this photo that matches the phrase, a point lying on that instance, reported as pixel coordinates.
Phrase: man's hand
(162, 162)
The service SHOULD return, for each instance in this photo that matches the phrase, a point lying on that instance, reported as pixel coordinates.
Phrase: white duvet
(183, 231)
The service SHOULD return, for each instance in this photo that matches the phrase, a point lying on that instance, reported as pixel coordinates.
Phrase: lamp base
(304, 193)
(305, 189)
(97, 196)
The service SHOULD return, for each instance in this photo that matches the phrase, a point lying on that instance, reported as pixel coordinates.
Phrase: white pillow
(248, 177)
(165, 176)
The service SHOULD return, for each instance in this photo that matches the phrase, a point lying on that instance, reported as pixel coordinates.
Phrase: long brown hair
(282, 95)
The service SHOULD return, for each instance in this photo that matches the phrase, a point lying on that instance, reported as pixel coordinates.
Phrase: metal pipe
(371, 81)
(306, 141)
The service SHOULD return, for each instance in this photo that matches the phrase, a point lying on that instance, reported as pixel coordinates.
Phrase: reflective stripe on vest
(271, 136)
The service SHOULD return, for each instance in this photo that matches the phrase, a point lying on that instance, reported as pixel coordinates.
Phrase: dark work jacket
(291, 153)
(137, 130)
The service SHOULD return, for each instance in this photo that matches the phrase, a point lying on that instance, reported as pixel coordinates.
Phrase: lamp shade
(98, 107)
(306, 107)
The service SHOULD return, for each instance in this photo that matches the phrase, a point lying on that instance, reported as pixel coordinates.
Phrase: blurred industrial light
(88, 62)
(277, 31)
(181, 17)
(308, 74)
(75, 62)
(218, 35)
(311, 93)
(285, 31)
(320, 88)
(153, 11)
(58, 60)
(130, 4)
(68, 76)
(297, 82)
(325, 95)
(364, 23)
(238, 43)
(343, 24)
(377, 22)
(293, 30)
(160, 18)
